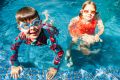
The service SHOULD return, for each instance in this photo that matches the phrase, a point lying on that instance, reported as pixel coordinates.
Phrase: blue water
(103, 66)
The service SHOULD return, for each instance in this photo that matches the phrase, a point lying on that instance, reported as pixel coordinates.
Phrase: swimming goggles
(25, 25)
(88, 11)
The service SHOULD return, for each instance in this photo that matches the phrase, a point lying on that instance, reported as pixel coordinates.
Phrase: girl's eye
(93, 12)
(86, 11)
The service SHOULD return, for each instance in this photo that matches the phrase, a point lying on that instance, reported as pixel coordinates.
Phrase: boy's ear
(18, 22)
(19, 29)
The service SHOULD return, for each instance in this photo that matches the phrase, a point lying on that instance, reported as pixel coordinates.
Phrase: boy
(34, 32)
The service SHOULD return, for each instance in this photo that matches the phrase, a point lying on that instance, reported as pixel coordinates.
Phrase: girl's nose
(89, 12)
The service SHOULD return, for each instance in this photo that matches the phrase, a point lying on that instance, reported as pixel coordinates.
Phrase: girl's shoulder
(75, 18)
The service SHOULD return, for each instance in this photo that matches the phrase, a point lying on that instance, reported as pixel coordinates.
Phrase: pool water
(103, 66)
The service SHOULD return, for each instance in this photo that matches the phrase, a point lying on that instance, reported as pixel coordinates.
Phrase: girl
(83, 27)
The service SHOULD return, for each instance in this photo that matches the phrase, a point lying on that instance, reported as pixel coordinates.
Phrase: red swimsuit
(81, 28)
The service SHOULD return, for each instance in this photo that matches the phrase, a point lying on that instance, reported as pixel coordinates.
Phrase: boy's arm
(50, 33)
(46, 16)
(57, 49)
(14, 49)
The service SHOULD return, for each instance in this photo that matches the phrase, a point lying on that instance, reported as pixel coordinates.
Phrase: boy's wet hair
(26, 13)
(86, 3)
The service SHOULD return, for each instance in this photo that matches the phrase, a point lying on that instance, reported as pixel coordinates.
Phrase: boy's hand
(46, 15)
(15, 71)
(51, 73)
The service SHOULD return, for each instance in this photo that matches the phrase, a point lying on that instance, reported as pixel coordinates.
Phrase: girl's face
(31, 28)
(88, 12)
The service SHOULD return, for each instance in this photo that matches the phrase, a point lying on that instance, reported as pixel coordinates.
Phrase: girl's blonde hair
(26, 13)
(86, 3)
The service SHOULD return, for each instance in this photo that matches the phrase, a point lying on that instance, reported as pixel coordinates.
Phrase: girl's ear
(81, 11)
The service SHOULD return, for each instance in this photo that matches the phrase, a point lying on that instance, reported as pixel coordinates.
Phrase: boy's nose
(32, 28)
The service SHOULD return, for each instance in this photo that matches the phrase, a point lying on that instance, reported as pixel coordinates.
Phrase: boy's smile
(34, 31)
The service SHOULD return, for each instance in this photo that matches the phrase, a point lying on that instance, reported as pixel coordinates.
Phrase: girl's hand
(97, 38)
(88, 39)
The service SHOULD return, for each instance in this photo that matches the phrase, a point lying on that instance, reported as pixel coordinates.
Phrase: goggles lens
(35, 23)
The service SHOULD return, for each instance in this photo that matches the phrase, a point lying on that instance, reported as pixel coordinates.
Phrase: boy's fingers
(15, 76)
(21, 69)
(18, 75)
(47, 75)
(51, 76)
(11, 74)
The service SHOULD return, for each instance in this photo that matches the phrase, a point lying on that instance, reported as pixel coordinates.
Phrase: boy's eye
(36, 23)
(26, 27)
(26, 24)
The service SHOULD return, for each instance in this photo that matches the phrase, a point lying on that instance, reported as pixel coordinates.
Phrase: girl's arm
(73, 30)
(100, 26)
(100, 30)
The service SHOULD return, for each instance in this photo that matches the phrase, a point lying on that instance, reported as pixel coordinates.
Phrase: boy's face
(88, 12)
(31, 28)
